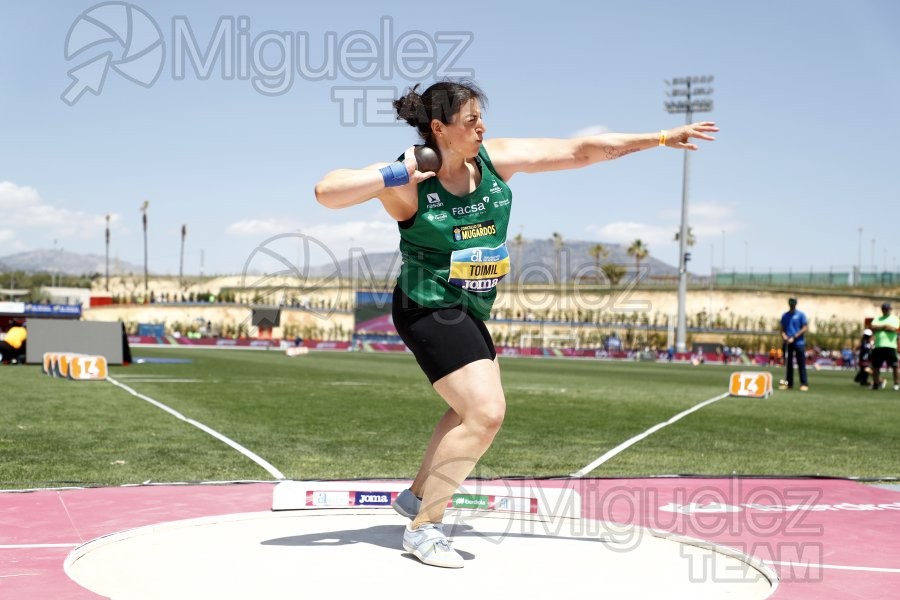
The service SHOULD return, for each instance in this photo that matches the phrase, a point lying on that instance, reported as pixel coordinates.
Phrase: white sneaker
(429, 544)
(407, 504)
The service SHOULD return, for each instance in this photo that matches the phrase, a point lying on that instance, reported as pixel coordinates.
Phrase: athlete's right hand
(412, 167)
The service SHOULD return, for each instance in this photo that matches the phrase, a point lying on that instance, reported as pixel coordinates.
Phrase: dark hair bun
(411, 108)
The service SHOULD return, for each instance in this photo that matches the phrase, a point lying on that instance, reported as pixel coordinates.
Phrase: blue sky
(807, 95)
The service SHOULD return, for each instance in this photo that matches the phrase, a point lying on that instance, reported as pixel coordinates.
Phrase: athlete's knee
(488, 413)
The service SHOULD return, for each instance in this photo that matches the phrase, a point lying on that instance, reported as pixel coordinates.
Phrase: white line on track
(836, 567)
(628, 443)
(27, 546)
(69, 516)
(222, 438)
(154, 380)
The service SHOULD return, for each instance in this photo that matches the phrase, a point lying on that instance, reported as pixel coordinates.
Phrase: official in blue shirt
(793, 327)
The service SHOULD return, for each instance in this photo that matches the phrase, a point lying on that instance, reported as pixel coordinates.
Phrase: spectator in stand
(12, 347)
(864, 358)
(842, 357)
(885, 348)
(699, 358)
(793, 328)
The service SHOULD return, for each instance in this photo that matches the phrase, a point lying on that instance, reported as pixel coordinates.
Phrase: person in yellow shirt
(12, 347)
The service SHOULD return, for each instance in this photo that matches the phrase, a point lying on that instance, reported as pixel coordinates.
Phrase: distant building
(67, 295)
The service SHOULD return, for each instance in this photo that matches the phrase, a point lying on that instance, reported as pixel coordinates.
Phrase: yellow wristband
(662, 137)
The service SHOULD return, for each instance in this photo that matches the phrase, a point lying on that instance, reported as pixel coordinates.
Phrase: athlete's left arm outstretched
(535, 155)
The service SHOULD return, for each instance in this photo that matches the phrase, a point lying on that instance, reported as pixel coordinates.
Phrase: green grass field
(362, 415)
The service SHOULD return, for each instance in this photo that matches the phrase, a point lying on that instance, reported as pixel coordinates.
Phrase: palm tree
(639, 251)
(518, 243)
(558, 244)
(598, 251)
(613, 272)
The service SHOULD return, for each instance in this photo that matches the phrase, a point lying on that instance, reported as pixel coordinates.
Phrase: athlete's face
(465, 132)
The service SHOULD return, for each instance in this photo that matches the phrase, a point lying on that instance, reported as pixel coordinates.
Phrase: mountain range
(67, 263)
(533, 261)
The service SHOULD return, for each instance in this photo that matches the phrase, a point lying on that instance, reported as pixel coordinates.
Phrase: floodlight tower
(144, 207)
(181, 260)
(107, 253)
(685, 100)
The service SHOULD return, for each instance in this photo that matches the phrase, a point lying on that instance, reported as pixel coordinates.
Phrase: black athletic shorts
(884, 355)
(441, 339)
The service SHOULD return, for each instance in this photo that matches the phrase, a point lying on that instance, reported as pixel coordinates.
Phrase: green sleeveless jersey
(884, 338)
(454, 248)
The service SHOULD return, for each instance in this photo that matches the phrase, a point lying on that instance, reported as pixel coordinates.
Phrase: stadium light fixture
(688, 99)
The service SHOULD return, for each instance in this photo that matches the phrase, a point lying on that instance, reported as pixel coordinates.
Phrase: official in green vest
(453, 222)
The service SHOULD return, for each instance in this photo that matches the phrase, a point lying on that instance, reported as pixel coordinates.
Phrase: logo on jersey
(434, 201)
(471, 209)
(479, 269)
(474, 231)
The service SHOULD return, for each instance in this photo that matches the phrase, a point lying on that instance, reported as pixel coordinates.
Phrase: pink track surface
(826, 538)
